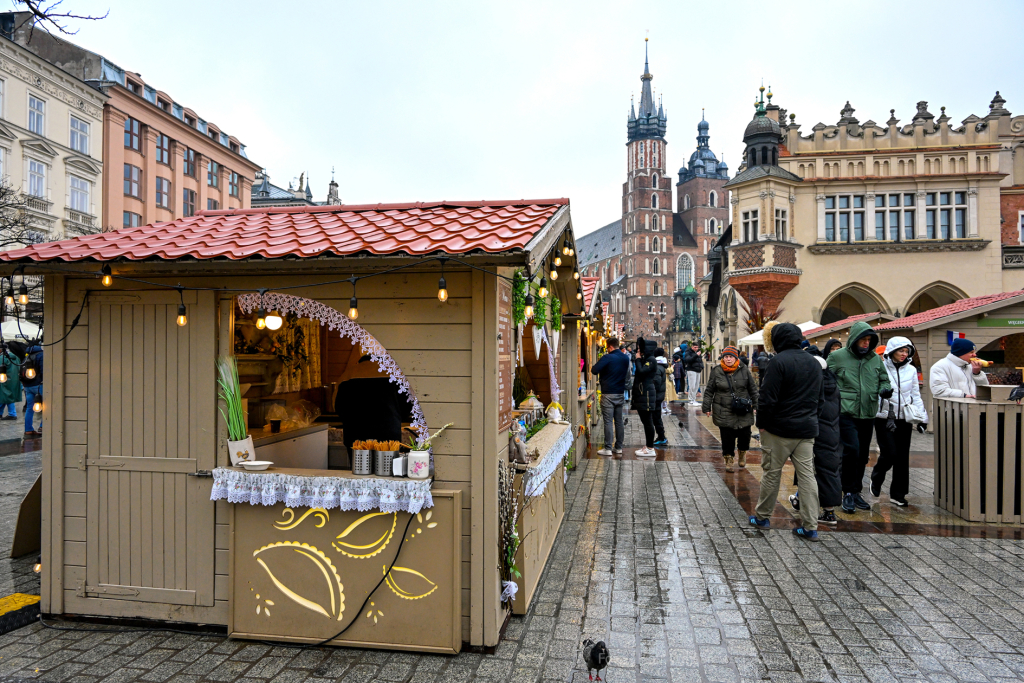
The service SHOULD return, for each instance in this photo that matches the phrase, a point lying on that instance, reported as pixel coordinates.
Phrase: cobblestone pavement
(656, 559)
(17, 474)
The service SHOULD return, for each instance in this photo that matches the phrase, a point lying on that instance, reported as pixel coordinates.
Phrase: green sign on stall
(1001, 322)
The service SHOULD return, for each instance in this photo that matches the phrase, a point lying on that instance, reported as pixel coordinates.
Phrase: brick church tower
(648, 251)
(702, 205)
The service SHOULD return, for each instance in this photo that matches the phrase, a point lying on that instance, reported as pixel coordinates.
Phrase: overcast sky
(418, 101)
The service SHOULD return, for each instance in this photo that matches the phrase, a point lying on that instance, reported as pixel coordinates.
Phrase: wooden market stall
(143, 515)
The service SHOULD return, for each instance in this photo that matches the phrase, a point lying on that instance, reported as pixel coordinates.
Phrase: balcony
(78, 223)
(38, 205)
(1013, 256)
(765, 270)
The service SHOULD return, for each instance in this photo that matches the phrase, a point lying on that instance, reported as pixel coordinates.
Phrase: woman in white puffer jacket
(894, 424)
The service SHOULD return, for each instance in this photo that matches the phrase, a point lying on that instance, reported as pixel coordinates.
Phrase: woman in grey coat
(728, 379)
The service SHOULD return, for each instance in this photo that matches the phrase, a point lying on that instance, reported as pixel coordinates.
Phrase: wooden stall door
(152, 423)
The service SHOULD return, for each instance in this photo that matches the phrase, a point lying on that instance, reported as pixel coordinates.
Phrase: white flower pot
(418, 466)
(241, 450)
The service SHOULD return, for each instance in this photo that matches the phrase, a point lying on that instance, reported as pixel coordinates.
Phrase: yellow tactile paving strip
(16, 601)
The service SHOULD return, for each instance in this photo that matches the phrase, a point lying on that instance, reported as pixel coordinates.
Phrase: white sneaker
(646, 452)
(604, 451)
(617, 451)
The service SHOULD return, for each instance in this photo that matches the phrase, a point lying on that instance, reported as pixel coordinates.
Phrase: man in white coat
(958, 374)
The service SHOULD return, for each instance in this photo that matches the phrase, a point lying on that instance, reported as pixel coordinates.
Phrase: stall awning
(313, 231)
(952, 312)
(757, 338)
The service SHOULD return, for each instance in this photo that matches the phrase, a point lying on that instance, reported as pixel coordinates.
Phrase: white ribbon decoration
(509, 590)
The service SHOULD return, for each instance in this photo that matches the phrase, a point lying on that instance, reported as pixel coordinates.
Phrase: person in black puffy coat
(827, 452)
(645, 393)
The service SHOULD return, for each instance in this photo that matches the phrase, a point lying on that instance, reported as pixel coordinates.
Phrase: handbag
(740, 406)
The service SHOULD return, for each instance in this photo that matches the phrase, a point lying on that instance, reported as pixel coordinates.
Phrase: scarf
(730, 368)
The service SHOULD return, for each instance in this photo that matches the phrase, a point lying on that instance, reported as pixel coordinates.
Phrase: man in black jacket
(787, 417)
(693, 365)
(645, 395)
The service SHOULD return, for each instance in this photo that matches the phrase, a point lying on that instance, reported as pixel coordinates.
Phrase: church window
(656, 289)
(711, 225)
(650, 307)
(629, 203)
(647, 266)
(705, 267)
(656, 268)
(713, 199)
(647, 222)
(654, 181)
(705, 247)
(663, 224)
(655, 246)
(654, 201)
(630, 184)
(641, 154)
(647, 243)
(686, 202)
(684, 271)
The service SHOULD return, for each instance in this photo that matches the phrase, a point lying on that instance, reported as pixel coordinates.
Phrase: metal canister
(362, 462)
(383, 464)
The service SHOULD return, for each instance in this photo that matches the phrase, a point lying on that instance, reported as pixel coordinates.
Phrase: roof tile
(961, 306)
(308, 231)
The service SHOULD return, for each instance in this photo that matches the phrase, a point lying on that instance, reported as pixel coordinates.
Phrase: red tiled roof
(589, 289)
(310, 231)
(961, 306)
(840, 324)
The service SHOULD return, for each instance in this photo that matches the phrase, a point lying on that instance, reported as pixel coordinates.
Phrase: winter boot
(742, 460)
(728, 464)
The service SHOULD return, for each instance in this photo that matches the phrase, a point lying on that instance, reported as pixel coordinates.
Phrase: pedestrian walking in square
(33, 387)
(661, 388)
(896, 420)
(730, 398)
(862, 381)
(693, 365)
(645, 395)
(678, 375)
(787, 417)
(10, 391)
(612, 370)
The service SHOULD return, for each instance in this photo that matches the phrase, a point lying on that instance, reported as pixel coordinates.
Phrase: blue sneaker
(848, 504)
(760, 523)
(808, 535)
(661, 442)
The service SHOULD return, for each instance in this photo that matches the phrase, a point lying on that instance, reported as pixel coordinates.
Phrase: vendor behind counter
(368, 403)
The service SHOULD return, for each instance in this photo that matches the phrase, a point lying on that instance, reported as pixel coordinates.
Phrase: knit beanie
(731, 350)
(961, 346)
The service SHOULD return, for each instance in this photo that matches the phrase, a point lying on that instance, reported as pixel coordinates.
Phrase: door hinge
(201, 473)
(111, 590)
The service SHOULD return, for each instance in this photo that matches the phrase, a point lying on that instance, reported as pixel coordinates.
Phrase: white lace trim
(268, 488)
(336, 320)
(536, 478)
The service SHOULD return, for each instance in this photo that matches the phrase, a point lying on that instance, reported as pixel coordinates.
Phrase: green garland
(556, 313)
(518, 297)
(540, 313)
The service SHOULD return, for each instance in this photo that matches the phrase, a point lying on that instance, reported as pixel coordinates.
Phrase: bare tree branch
(16, 226)
(46, 14)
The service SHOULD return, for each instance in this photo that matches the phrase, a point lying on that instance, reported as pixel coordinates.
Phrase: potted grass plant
(419, 454)
(240, 446)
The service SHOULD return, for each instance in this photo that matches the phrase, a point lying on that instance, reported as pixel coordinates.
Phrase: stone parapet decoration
(1013, 257)
(911, 246)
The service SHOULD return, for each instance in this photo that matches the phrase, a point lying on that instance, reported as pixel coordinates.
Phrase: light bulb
(3, 377)
(23, 294)
(261, 320)
(30, 372)
(565, 247)
(37, 407)
(575, 275)
(9, 299)
(37, 567)
(182, 318)
(553, 274)
(558, 261)
(353, 308)
(543, 289)
(528, 310)
(571, 251)
(442, 290)
(563, 326)
(579, 295)
(274, 321)
(107, 278)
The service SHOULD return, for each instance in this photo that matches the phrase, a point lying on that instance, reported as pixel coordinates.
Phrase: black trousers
(733, 439)
(659, 424)
(894, 454)
(856, 437)
(647, 419)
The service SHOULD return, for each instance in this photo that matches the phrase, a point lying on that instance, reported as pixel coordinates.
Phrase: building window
(130, 220)
(189, 162)
(750, 225)
(213, 174)
(163, 104)
(1020, 227)
(896, 217)
(654, 181)
(132, 180)
(212, 205)
(641, 154)
(686, 202)
(952, 215)
(657, 289)
(233, 146)
(79, 194)
(132, 86)
(163, 149)
(712, 199)
(656, 267)
(132, 129)
(654, 201)
(233, 184)
(188, 202)
(780, 224)
(163, 193)
(844, 218)
(36, 115)
(655, 245)
(190, 120)
(711, 225)
(79, 136)
(36, 178)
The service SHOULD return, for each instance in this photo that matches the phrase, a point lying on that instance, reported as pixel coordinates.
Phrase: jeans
(734, 438)
(855, 435)
(894, 454)
(775, 450)
(611, 412)
(692, 384)
(647, 419)
(12, 410)
(679, 386)
(32, 394)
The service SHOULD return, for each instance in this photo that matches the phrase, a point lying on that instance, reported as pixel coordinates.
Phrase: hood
(662, 360)
(766, 336)
(821, 361)
(647, 347)
(859, 331)
(830, 346)
(785, 336)
(899, 343)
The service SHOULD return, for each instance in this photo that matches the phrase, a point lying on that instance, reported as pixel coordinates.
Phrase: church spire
(650, 120)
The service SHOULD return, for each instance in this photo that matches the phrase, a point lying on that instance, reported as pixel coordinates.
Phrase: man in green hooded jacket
(862, 380)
